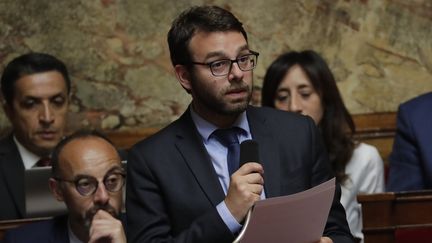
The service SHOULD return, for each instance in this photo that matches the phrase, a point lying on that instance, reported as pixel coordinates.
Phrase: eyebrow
(221, 53)
(282, 90)
(302, 86)
(39, 98)
(115, 168)
(112, 169)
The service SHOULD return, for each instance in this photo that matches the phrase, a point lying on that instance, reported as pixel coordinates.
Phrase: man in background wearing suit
(35, 89)
(88, 176)
(179, 185)
(411, 157)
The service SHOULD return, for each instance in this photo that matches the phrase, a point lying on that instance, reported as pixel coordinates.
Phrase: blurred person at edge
(410, 162)
(35, 89)
(87, 175)
(302, 82)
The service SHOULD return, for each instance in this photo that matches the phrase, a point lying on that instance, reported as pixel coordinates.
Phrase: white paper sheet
(298, 218)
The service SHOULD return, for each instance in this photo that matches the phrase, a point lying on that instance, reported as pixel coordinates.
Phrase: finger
(250, 193)
(256, 189)
(102, 220)
(106, 227)
(254, 178)
(102, 214)
(250, 168)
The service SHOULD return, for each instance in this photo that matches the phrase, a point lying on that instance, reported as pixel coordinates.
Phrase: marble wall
(380, 50)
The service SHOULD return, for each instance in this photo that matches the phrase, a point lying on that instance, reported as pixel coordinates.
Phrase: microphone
(248, 152)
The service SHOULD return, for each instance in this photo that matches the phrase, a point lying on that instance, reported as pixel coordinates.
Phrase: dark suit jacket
(49, 231)
(411, 157)
(12, 202)
(173, 189)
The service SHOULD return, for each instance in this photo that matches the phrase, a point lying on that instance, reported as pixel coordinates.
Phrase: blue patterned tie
(228, 138)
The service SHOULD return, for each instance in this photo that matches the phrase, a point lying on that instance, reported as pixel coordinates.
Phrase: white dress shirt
(29, 159)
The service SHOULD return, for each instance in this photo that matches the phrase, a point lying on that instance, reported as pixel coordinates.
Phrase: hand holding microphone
(246, 183)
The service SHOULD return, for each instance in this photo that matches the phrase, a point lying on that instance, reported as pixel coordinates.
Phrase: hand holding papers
(299, 217)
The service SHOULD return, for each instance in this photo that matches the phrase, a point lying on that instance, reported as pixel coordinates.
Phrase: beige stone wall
(380, 50)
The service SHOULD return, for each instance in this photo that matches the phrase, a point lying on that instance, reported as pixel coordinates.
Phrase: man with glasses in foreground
(180, 187)
(89, 178)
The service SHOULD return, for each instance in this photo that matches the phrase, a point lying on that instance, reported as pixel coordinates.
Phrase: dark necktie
(44, 161)
(228, 138)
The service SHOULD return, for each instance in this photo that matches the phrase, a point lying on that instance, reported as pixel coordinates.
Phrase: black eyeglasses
(223, 66)
(87, 185)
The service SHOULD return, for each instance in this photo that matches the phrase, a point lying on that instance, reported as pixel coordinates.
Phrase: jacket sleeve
(148, 215)
(405, 159)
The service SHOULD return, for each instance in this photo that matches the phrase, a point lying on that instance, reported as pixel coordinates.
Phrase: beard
(216, 101)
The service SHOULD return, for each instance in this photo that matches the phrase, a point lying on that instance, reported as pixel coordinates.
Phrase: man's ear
(183, 77)
(54, 186)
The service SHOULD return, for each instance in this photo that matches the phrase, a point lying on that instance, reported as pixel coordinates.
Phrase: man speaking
(184, 184)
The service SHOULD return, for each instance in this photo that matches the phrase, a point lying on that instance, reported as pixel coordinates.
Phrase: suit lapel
(59, 231)
(191, 147)
(268, 151)
(13, 172)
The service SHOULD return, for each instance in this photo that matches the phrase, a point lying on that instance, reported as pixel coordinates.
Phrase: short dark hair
(195, 19)
(29, 64)
(337, 126)
(80, 134)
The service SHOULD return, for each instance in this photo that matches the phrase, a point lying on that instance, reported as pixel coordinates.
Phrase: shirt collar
(72, 237)
(29, 159)
(205, 128)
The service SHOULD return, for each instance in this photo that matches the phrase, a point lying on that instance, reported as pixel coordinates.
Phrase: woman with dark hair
(302, 82)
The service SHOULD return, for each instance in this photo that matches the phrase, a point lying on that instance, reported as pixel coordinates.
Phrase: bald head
(84, 154)
(85, 137)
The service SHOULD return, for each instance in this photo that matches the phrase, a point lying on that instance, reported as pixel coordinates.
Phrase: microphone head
(249, 152)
